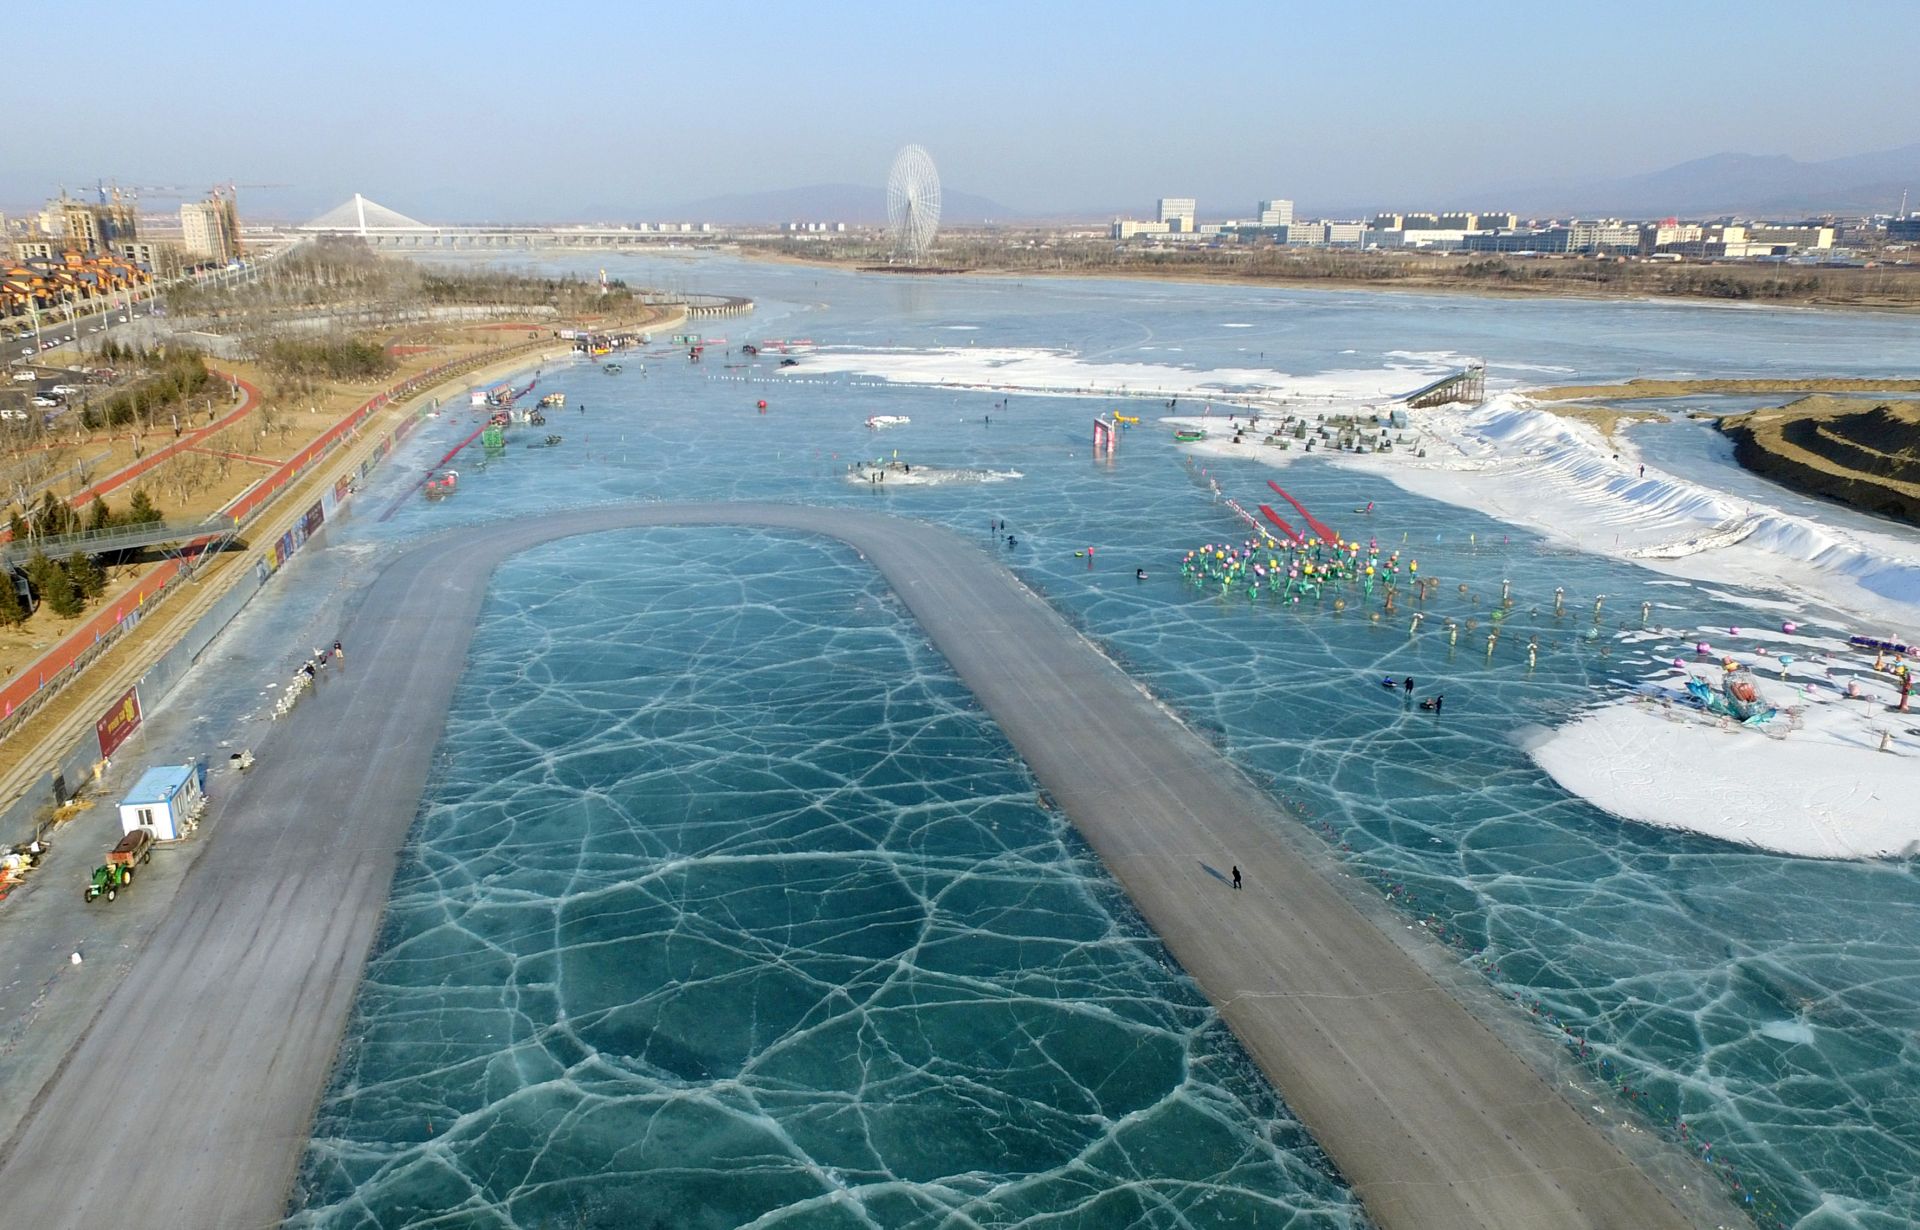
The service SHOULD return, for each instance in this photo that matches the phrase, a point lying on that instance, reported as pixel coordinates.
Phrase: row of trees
(53, 516)
(172, 378)
(341, 272)
(65, 586)
(333, 357)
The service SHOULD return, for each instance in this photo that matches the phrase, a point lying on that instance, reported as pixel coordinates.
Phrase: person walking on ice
(1236, 877)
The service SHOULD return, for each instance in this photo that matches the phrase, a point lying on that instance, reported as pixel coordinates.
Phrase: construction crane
(170, 190)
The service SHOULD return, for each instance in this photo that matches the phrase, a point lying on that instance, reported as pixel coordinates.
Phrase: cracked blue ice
(728, 907)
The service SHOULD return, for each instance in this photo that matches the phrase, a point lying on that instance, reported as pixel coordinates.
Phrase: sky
(484, 111)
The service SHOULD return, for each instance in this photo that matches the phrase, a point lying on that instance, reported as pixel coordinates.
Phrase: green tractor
(108, 881)
(134, 848)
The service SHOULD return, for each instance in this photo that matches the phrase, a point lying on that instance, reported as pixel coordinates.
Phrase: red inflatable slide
(1326, 535)
(1292, 534)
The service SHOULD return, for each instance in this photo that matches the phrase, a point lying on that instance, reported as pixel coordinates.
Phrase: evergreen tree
(140, 511)
(38, 566)
(17, 526)
(54, 515)
(59, 593)
(99, 516)
(88, 577)
(12, 611)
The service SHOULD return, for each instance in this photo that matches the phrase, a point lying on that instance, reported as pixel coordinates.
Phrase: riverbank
(1862, 454)
(1537, 280)
(1647, 389)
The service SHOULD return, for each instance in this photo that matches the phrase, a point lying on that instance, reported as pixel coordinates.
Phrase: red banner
(120, 721)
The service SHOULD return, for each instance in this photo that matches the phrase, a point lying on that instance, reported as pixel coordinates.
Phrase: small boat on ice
(552, 400)
(888, 420)
(612, 369)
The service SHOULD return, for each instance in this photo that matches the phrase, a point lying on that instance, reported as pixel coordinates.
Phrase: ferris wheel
(913, 202)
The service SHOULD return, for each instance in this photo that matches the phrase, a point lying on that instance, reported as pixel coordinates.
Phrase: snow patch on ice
(1065, 373)
(1830, 776)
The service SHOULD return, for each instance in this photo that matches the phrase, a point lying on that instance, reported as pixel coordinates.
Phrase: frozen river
(726, 905)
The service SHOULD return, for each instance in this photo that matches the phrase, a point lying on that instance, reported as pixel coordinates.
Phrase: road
(196, 1084)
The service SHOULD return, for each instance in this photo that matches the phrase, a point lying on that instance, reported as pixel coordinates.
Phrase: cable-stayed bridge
(382, 227)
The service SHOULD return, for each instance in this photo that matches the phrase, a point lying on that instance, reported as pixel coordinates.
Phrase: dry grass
(1635, 389)
(1607, 419)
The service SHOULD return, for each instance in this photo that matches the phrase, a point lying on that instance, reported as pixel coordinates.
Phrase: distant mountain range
(1746, 184)
(849, 203)
(1733, 184)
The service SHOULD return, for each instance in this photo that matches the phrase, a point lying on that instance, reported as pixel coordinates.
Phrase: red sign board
(119, 722)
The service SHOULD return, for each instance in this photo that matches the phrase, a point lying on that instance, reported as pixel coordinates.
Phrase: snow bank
(1528, 466)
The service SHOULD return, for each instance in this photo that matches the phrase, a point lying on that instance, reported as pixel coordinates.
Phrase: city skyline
(504, 119)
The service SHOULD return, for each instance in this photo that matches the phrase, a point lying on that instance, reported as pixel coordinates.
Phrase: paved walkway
(196, 1085)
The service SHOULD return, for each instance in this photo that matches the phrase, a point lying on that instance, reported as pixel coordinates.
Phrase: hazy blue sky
(488, 110)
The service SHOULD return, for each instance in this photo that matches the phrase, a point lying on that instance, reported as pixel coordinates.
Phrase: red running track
(120, 478)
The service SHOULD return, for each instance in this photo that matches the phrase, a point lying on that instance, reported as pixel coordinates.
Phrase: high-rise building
(211, 228)
(92, 228)
(1276, 213)
(1178, 213)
